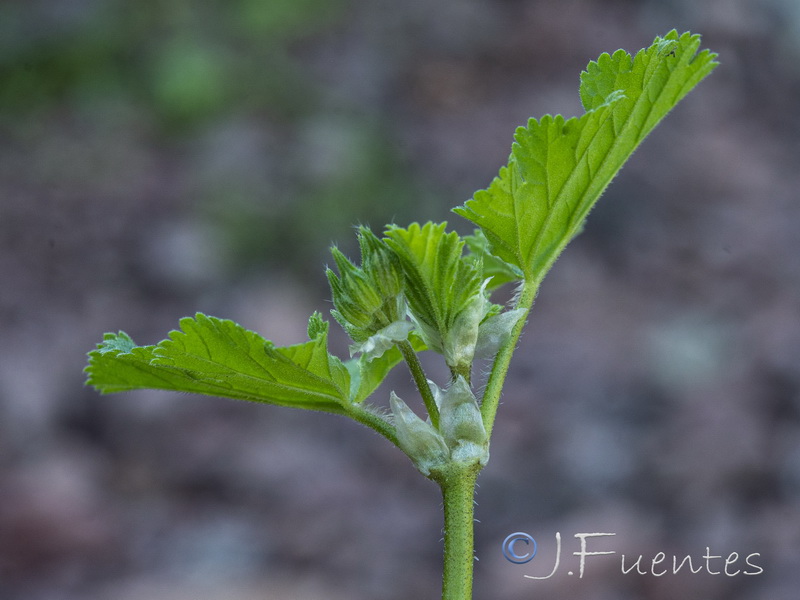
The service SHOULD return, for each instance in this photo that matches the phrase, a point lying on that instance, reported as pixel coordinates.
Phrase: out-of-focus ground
(162, 158)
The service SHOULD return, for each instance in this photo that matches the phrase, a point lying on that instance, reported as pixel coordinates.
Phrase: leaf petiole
(412, 360)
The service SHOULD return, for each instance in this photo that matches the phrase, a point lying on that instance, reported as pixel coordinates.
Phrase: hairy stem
(465, 371)
(458, 492)
(374, 421)
(497, 377)
(421, 380)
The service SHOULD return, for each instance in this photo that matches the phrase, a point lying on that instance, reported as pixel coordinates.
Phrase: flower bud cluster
(461, 436)
(367, 299)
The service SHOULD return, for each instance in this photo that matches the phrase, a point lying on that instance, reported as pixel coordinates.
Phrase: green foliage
(439, 283)
(443, 289)
(557, 170)
(559, 167)
(220, 358)
(416, 289)
(495, 269)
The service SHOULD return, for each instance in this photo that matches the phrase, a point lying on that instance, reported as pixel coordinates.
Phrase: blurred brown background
(161, 158)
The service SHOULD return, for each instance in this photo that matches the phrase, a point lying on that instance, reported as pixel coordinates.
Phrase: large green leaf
(559, 167)
(220, 358)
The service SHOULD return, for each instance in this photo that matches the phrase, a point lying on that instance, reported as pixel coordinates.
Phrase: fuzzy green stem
(497, 377)
(421, 380)
(458, 492)
(464, 370)
(374, 421)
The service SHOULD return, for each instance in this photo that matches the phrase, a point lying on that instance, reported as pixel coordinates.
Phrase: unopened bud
(368, 298)
(381, 264)
(462, 337)
(317, 326)
(495, 331)
(418, 438)
(461, 424)
(460, 340)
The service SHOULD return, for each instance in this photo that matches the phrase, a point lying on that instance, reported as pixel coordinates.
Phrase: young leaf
(496, 270)
(559, 168)
(220, 358)
(440, 283)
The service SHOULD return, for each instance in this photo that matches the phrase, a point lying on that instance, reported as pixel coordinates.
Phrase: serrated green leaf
(440, 283)
(559, 167)
(220, 358)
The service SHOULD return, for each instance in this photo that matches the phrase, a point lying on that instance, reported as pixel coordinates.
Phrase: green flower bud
(354, 296)
(381, 264)
(495, 331)
(357, 286)
(317, 326)
(418, 438)
(349, 312)
(367, 299)
(460, 340)
(462, 337)
(461, 425)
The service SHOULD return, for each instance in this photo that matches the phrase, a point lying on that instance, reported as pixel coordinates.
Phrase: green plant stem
(458, 492)
(497, 377)
(458, 481)
(374, 421)
(465, 371)
(421, 380)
